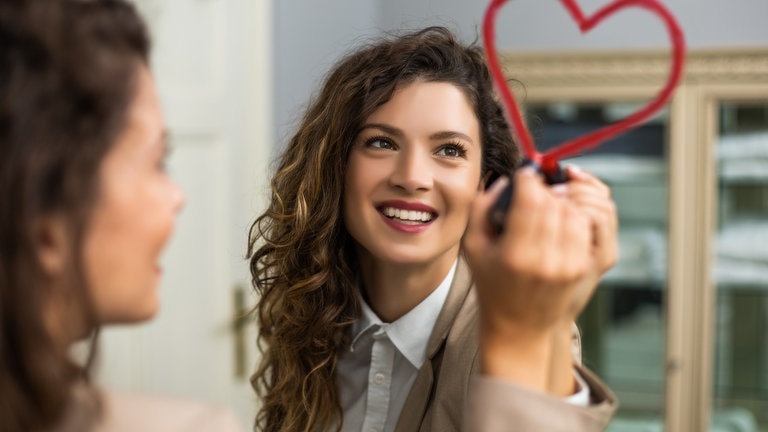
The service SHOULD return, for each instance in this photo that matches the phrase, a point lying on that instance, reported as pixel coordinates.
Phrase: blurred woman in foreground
(86, 208)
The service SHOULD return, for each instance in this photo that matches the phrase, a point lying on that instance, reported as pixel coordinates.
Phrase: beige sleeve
(127, 412)
(495, 405)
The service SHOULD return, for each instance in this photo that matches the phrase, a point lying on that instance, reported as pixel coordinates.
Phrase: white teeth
(407, 215)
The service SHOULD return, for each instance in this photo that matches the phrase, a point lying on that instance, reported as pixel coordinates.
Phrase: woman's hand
(593, 197)
(534, 279)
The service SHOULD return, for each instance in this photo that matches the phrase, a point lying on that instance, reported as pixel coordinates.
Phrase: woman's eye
(451, 151)
(380, 143)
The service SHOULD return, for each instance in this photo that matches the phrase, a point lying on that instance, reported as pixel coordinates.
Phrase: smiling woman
(383, 289)
(415, 166)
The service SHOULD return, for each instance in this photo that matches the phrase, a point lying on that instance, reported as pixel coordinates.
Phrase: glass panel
(623, 328)
(741, 269)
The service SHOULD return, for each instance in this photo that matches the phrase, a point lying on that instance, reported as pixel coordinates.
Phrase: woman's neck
(393, 289)
(65, 321)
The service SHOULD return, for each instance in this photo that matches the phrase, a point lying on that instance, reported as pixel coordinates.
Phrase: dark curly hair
(67, 76)
(301, 256)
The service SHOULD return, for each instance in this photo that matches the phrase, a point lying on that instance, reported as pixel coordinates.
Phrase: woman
(86, 208)
(372, 314)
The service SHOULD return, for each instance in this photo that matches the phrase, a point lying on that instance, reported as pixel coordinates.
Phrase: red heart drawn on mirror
(548, 160)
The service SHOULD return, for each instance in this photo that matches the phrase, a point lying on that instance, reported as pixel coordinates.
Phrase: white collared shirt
(375, 374)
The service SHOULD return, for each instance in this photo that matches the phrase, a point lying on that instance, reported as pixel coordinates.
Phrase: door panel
(208, 61)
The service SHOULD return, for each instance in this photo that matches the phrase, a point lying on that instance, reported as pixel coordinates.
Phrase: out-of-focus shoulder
(130, 412)
(95, 410)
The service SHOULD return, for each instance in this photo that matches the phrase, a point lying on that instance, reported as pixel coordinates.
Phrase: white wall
(311, 34)
(544, 24)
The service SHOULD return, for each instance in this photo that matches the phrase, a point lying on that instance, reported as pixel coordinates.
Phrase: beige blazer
(129, 412)
(448, 394)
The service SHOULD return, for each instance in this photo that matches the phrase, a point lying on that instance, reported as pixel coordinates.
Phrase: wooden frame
(710, 77)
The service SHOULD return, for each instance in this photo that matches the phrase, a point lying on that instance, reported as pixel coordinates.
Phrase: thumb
(480, 232)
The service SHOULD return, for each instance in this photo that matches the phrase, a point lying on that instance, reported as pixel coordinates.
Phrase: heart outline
(548, 160)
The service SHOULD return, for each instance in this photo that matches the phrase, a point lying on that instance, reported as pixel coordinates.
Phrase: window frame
(710, 77)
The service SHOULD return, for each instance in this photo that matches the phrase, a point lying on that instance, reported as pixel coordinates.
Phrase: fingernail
(529, 171)
(560, 189)
(575, 169)
(498, 184)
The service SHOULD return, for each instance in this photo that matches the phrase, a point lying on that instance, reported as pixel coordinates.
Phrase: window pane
(741, 269)
(623, 327)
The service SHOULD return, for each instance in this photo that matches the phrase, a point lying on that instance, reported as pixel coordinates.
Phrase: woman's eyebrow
(389, 130)
(450, 134)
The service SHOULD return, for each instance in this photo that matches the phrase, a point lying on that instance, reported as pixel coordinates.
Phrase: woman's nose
(412, 172)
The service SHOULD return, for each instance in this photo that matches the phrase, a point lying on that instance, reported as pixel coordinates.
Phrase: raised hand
(534, 279)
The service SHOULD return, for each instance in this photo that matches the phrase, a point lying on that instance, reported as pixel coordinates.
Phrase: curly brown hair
(67, 72)
(302, 258)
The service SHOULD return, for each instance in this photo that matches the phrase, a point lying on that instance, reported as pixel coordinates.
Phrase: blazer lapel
(417, 401)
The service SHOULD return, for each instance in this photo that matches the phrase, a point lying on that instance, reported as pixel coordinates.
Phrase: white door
(211, 63)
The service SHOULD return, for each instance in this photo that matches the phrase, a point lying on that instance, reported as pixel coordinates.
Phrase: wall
(308, 36)
(544, 25)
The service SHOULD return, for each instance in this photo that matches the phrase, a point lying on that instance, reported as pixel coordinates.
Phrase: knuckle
(514, 261)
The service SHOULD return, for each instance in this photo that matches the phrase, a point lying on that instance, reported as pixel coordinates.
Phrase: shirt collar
(410, 333)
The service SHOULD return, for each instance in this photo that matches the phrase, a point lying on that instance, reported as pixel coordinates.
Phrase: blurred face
(412, 173)
(133, 217)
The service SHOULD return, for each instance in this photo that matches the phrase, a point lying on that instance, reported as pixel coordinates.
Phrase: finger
(587, 270)
(576, 233)
(605, 207)
(602, 207)
(524, 218)
(490, 195)
(606, 245)
(546, 246)
(577, 175)
(547, 239)
(559, 189)
(603, 221)
(582, 187)
(479, 230)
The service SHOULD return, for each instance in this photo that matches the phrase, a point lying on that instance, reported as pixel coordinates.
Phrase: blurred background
(677, 329)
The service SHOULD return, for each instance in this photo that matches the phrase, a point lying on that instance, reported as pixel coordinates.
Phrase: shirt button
(378, 379)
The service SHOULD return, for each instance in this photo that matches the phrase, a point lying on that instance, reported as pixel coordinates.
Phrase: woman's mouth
(408, 217)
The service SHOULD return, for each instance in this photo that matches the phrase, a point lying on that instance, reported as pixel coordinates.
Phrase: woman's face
(412, 173)
(134, 215)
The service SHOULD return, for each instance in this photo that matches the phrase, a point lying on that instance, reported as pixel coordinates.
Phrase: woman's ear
(52, 244)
